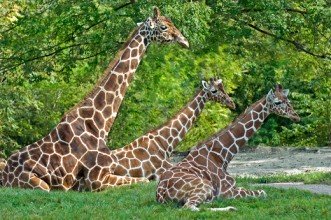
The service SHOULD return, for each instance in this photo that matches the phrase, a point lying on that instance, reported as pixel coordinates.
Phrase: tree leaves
(53, 52)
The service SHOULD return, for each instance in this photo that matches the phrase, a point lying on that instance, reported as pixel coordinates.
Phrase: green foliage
(28, 112)
(52, 53)
(138, 201)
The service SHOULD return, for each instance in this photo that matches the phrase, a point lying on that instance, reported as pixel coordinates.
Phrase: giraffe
(76, 150)
(148, 155)
(2, 167)
(202, 176)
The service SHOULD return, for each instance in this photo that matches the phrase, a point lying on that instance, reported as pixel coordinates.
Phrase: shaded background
(53, 52)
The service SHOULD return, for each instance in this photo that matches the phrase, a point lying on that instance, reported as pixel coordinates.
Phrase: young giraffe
(76, 149)
(148, 155)
(202, 175)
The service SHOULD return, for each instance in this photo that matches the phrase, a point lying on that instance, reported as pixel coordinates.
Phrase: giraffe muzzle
(229, 103)
(182, 41)
(295, 118)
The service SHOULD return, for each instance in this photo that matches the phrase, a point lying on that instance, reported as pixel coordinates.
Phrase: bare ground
(264, 161)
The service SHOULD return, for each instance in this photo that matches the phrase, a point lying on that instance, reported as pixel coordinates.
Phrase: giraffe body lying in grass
(148, 155)
(202, 176)
(75, 151)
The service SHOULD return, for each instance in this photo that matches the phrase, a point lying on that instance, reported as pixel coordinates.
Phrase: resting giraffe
(76, 150)
(148, 155)
(202, 175)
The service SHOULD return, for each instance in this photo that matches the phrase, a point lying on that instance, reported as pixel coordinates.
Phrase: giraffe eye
(213, 91)
(163, 27)
(278, 102)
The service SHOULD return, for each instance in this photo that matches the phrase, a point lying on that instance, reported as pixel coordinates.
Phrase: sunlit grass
(138, 202)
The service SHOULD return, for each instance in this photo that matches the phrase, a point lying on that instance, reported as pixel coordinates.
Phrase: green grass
(307, 178)
(138, 202)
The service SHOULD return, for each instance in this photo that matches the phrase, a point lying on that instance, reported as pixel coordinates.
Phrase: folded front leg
(186, 188)
(241, 193)
(101, 179)
(229, 190)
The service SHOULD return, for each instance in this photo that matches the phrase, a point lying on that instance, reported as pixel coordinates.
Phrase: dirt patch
(262, 161)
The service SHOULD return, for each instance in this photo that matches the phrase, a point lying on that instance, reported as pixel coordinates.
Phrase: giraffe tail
(2, 167)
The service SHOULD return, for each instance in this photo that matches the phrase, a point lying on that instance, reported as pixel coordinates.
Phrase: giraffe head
(161, 29)
(215, 91)
(279, 104)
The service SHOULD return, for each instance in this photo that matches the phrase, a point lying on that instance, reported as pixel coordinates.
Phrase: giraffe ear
(278, 87)
(219, 81)
(150, 23)
(139, 23)
(157, 12)
(270, 96)
(205, 85)
(286, 92)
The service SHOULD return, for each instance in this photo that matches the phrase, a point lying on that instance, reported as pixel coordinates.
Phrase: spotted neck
(227, 143)
(173, 131)
(102, 104)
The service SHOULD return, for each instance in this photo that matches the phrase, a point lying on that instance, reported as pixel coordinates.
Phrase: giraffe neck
(100, 107)
(173, 131)
(227, 143)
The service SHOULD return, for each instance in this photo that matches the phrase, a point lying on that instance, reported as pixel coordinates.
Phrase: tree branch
(69, 38)
(6, 68)
(297, 44)
(296, 10)
(124, 5)
(245, 10)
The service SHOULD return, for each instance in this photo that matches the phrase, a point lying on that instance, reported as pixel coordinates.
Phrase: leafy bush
(52, 53)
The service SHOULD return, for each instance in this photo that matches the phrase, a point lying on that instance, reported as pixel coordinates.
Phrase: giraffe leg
(108, 180)
(30, 181)
(189, 189)
(203, 193)
(185, 188)
(233, 192)
(197, 191)
(38, 183)
(79, 185)
(24, 179)
(165, 166)
(113, 180)
(241, 193)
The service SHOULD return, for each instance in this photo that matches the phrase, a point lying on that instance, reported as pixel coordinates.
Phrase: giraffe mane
(106, 72)
(178, 112)
(233, 123)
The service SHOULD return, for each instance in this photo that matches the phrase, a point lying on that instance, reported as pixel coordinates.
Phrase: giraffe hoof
(194, 209)
(191, 207)
(144, 180)
(262, 193)
(231, 208)
(226, 209)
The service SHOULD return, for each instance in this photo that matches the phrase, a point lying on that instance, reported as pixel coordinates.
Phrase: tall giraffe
(76, 149)
(148, 155)
(202, 176)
